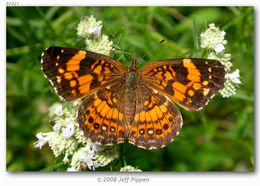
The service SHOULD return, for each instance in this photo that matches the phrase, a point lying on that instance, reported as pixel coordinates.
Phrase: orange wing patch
(74, 63)
(193, 73)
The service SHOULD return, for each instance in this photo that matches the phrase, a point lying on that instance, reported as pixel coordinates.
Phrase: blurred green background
(217, 138)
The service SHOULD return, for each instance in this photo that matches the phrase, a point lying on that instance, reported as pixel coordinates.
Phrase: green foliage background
(217, 138)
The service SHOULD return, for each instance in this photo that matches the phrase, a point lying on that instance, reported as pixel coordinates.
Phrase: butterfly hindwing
(189, 82)
(75, 73)
(157, 120)
(100, 115)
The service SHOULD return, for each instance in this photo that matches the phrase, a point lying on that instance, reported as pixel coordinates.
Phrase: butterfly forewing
(75, 73)
(189, 82)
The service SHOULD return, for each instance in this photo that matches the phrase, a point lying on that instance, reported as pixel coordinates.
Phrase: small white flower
(89, 153)
(42, 140)
(60, 144)
(56, 143)
(84, 157)
(56, 127)
(219, 48)
(213, 39)
(88, 160)
(93, 165)
(52, 109)
(106, 156)
(93, 147)
(229, 87)
(228, 90)
(68, 131)
(76, 103)
(96, 31)
(89, 27)
(75, 160)
(96, 147)
(212, 26)
(69, 120)
(72, 169)
(65, 159)
(234, 77)
(101, 46)
(58, 111)
(80, 136)
(129, 168)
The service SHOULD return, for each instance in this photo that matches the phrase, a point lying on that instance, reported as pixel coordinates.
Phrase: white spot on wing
(152, 148)
(131, 142)
(120, 142)
(181, 124)
(206, 103)
(61, 98)
(212, 96)
(140, 146)
(51, 82)
(45, 76)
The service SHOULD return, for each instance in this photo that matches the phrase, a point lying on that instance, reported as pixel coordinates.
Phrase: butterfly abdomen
(130, 98)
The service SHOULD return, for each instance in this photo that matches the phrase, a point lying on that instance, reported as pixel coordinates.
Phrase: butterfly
(131, 104)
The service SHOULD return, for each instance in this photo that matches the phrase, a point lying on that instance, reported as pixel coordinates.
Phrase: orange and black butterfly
(129, 103)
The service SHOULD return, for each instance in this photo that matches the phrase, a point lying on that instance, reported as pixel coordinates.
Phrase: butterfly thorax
(133, 66)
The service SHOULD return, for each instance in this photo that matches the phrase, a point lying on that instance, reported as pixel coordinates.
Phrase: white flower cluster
(231, 79)
(129, 168)
(83, 157)
(66, 138)
(213, 40)
(101, 46)
(90, 29)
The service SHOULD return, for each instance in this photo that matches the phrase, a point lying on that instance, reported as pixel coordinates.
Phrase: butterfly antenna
(119, 47)
(156, 46)
(117, 42)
